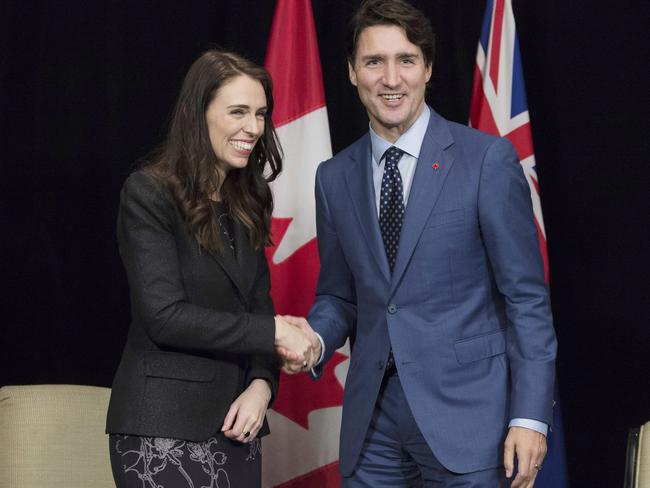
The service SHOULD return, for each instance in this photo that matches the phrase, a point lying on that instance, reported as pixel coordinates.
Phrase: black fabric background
(86, 88)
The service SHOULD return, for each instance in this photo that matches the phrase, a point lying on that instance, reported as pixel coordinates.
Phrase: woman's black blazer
(202, 322)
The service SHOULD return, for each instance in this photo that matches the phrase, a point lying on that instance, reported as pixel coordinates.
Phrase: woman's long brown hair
(187, 166)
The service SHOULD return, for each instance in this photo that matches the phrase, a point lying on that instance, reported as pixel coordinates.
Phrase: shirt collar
(410, 142)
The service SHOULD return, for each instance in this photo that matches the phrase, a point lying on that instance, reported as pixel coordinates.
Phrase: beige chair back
(53, 436)
(643, 458)
(637, 459)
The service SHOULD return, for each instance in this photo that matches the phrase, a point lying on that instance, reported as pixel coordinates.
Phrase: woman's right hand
(293, 345)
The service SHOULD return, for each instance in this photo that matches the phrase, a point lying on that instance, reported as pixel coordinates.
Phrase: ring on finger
(537, 466)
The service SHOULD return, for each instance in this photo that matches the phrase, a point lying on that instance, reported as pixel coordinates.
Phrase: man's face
(391, 76)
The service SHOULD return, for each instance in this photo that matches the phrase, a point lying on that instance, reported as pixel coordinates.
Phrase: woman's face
(235, 119)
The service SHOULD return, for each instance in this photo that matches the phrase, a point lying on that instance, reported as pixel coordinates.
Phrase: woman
(198, 370)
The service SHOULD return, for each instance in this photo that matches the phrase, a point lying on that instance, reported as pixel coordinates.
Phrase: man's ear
(352, 74)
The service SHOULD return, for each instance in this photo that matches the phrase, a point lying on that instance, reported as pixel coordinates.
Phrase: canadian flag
(302, 450)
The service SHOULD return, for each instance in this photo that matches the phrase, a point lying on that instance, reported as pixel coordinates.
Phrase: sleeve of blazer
(263, 366)
(145, 233)
(333, 314)
(510, 236)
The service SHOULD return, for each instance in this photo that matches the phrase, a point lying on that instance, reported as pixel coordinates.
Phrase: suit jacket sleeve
(333, 314)
(510, 236)
(148, 249)
(264, 366)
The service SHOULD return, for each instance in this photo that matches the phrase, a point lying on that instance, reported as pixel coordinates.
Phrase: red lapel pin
(435, 166)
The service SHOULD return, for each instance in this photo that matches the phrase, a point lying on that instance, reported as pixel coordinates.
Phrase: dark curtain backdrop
(86, 88)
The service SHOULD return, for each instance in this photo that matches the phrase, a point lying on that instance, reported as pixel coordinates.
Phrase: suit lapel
(246, 256)
(362, 193)
(431, 172)
(239, 267)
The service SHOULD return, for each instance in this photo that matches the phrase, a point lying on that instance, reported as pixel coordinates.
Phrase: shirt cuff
(322, 349)
(535, 425)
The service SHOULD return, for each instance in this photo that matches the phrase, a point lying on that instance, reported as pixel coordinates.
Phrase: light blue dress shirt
(410, 142)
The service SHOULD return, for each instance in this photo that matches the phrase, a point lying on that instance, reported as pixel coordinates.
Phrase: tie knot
(393, 155)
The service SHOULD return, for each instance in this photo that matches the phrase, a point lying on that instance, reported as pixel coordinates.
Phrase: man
(430, 265)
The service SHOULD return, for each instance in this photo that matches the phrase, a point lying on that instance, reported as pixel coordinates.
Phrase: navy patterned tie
(391, 204)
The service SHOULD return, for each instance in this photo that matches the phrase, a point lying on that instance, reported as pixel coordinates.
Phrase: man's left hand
(530, 448)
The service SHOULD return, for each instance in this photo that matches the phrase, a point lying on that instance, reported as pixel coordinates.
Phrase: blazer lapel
(239, 266)
(431, 172)
(362, 193)
(246, 257)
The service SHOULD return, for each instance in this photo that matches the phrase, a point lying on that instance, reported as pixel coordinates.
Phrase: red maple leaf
(293, 287)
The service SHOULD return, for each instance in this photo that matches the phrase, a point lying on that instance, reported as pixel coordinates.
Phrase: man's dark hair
(392, 12)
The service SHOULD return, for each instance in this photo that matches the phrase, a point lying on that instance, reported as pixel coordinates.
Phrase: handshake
(296, 343)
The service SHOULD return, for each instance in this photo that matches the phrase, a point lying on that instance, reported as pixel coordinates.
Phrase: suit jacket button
(392, 308)
(380, 365)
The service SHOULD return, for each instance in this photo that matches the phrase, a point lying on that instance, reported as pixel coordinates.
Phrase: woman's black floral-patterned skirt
(154, 462)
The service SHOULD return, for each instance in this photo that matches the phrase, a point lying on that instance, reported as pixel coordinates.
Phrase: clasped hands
(296, 343)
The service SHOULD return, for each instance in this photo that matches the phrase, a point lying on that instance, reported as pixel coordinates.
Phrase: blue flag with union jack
(499, 107)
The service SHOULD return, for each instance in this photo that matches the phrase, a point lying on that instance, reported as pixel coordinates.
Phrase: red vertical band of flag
(294, 63)
(303, 448)
(499, 107)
